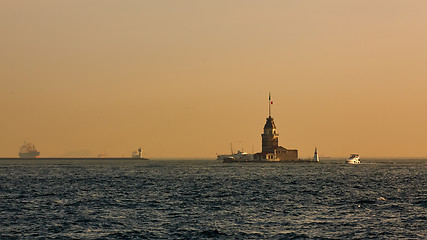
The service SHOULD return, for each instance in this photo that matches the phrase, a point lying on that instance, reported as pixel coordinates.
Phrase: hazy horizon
(184, 79)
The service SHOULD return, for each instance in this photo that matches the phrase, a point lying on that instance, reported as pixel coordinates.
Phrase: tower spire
(270, 138)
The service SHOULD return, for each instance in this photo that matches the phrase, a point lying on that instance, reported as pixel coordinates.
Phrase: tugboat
(28, 150)
(353, 159)
(316, 156)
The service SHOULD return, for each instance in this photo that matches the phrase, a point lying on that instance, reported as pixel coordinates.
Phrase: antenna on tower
(269, 104)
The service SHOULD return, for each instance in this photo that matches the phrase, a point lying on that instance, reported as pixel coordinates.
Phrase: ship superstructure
(353, 159)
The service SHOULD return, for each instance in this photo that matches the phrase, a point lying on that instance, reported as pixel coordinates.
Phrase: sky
(184, 79)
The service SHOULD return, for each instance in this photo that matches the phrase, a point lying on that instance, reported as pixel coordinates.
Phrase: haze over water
(193, 76)
(378, 199)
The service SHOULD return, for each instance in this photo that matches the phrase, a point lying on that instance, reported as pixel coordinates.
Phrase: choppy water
(209, 199)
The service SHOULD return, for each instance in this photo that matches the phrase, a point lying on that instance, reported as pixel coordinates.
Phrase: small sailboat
(316, 155)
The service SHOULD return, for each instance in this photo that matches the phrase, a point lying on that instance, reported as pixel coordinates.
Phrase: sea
(208, 199)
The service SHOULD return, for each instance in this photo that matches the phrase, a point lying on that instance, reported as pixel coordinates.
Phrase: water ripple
(211, 200)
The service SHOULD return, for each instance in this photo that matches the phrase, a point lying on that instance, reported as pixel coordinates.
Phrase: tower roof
(270, 123)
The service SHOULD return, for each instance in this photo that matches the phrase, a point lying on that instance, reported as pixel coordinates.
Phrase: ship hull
(353, 161)
(29, 155)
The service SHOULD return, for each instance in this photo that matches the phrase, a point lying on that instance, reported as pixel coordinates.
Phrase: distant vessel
(236, 157)
(353, 159)
(28, 150)
(101, 155)
(240, 156)
(316, 156)
(136, 154)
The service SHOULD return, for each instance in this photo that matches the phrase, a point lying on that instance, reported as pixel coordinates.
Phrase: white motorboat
(353, 159)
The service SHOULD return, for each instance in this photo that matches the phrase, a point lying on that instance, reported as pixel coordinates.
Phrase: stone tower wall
(287, 155)
(269, 143)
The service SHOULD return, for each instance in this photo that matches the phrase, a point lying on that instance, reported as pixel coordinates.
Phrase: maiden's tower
(271, 151)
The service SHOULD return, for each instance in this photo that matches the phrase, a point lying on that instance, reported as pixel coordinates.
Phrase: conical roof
(270, 123)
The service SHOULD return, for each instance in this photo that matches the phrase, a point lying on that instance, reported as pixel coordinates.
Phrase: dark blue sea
(207, 199)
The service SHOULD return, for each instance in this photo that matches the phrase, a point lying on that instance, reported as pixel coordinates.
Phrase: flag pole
(269, 105)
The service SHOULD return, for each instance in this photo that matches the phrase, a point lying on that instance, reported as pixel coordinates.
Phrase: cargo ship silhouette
(28, 150)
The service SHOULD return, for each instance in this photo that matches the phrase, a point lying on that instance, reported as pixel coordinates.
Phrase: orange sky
(187, 78)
